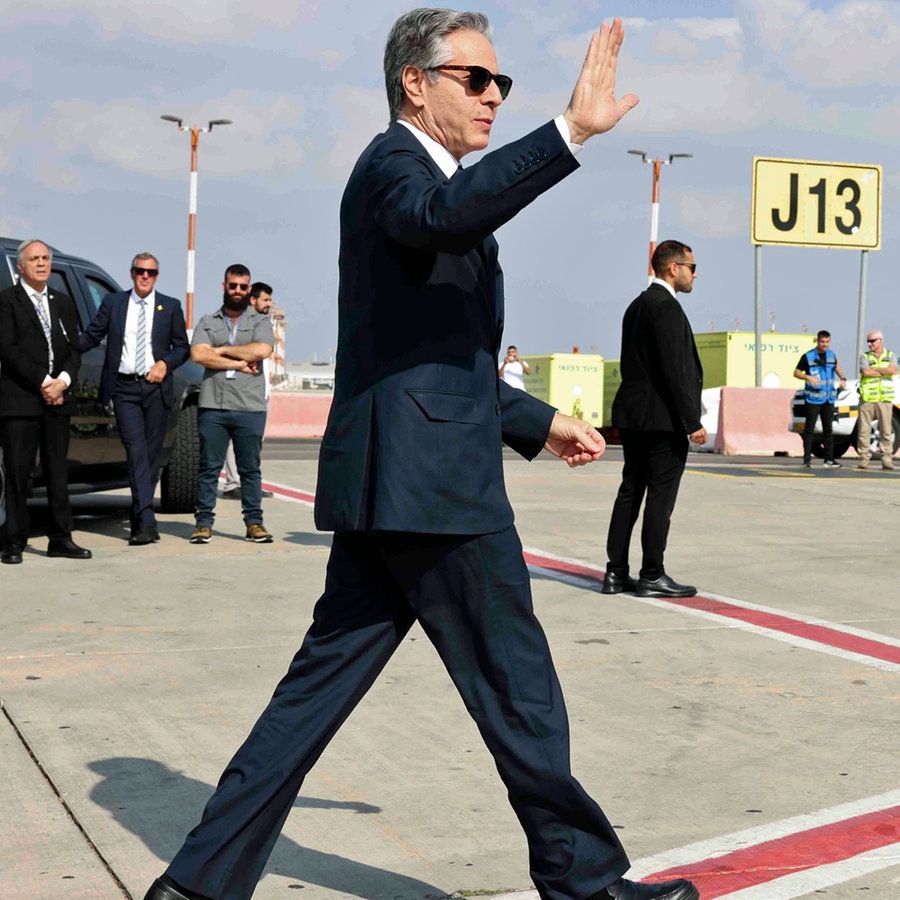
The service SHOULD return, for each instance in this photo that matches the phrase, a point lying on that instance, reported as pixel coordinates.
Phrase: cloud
(713, 214)
(14, 127)
(171, 20)
(854, 43)
(130, 136)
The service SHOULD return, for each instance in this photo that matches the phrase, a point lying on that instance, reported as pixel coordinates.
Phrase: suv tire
(178, 484)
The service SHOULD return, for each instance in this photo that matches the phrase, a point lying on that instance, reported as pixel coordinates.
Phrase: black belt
(121, 376)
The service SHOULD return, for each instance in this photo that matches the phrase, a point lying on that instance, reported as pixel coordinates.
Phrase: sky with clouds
(87, 164)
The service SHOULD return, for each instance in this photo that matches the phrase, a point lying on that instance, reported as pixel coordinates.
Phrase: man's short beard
(240, 303)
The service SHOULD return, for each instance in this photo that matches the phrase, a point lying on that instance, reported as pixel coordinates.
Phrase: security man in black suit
(657, 411)
(39, 359)
(410, 471)
(146, 341)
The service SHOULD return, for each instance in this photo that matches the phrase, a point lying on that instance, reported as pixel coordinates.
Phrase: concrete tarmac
(129, 680)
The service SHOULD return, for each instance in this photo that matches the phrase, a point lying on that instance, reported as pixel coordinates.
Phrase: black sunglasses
(140, 270)
(481, 78)
(235, 286)
(691, 266)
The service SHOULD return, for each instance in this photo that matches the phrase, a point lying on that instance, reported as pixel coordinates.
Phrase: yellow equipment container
(728, 358)
(572, 382)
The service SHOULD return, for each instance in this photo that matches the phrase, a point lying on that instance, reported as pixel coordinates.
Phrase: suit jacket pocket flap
(442, 406)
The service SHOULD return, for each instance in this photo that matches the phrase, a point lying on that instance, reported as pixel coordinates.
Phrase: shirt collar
(150, 298)
(442, 157)
(33, 294)
(665, 284)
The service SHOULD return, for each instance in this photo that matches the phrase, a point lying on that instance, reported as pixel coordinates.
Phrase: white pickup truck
(846, 416)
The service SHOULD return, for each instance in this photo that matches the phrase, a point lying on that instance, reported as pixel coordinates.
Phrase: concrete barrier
(755, 421)
(297, 414)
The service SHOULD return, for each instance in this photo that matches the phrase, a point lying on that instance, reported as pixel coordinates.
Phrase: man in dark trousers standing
(657, 411)
(410, 471)
(146, 342)
(39, 359)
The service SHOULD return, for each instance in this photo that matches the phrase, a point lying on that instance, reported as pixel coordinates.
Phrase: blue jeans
(245, 431)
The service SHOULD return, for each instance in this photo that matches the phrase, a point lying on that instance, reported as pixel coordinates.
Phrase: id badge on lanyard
(231, 374)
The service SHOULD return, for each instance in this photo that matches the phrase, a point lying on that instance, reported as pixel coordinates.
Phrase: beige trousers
(867, 413)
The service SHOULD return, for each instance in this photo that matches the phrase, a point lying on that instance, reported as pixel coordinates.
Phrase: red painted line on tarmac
(820, 634)
(769, 860)
(293, 493)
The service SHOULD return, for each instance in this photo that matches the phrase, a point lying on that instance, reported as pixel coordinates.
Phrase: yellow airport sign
(804, 203)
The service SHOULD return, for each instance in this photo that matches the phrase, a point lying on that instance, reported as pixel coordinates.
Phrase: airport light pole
(195, 131)
(654, 207)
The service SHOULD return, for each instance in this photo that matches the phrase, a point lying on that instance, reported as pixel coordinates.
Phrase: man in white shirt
(514, 368)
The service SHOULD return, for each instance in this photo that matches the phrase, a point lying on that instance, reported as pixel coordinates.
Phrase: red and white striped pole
(192, 230)
(195, 131)
(654, 200)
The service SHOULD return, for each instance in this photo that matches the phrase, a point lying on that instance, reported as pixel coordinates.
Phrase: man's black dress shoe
(267, 494)
(12, 555)
(154, 535)
(67, 548)
(664, 587)
(635, 890)
(140, 537)
(166, 889)
(617, 584)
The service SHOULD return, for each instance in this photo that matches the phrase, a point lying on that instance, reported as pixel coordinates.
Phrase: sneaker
(258, 534)
(232, 494)
(202, 534)
(831, 464)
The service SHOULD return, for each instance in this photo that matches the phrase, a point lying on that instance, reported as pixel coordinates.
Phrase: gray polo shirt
(241, 392)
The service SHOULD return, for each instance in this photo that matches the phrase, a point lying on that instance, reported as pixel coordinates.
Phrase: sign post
(803, 203)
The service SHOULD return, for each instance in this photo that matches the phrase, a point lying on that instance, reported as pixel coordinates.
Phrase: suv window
(59, 281)
(97, 290)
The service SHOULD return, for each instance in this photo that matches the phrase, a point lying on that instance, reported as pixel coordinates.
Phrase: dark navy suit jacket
(661, 372)
(168, 339)
(413, 441)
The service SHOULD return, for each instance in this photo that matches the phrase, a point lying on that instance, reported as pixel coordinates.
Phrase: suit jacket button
(498, 410)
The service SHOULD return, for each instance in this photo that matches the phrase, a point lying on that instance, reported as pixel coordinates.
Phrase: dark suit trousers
(654, 463)
(472, 596)
(141, 417)
(21, 437)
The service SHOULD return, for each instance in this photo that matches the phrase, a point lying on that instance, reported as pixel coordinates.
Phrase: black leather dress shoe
(68, 549)
(267, 494)
(12, 555)
(635, 890)
(141, 537)
(154, 535)
(664, 587)
(617, 584)
(166, 889)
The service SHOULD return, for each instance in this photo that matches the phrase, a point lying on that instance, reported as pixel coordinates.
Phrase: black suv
(96, 455)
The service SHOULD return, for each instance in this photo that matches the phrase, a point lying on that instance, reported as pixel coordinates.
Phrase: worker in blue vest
(818, 368)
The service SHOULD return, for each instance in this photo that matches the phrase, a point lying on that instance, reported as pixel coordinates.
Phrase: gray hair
(417, 39)
(145, 255)
(20, 250)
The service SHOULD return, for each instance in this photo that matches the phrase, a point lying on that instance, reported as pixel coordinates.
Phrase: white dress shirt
(127, 364)
(42, 299)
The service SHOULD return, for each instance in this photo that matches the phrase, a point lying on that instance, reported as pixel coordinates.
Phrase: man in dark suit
(657, 411)
(146, 342)
(39, 358)
(411, 477)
